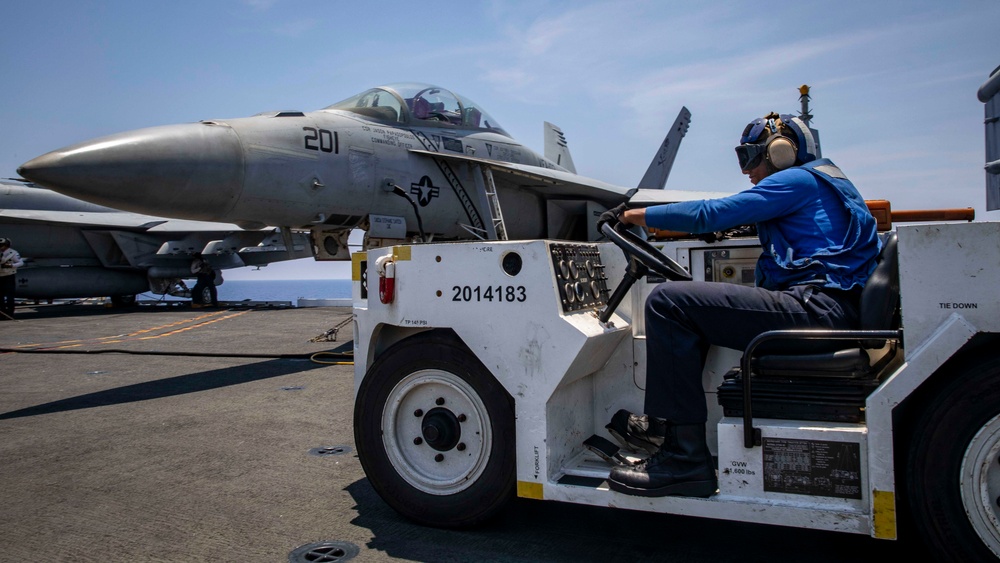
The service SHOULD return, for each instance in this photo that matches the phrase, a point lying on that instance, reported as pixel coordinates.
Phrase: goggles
(750, 156)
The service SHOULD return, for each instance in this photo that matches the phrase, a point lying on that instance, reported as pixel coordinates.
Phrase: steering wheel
(644, 252)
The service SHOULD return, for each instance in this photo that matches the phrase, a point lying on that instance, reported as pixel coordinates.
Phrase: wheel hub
(441, 429)
(437, 432)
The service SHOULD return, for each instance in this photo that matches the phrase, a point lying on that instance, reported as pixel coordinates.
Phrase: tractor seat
(879, 311)
(820, 374)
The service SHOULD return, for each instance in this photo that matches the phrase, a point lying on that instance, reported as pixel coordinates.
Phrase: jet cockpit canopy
(420, 105)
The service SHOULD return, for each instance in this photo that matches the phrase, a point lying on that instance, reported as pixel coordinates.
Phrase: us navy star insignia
(425, 191)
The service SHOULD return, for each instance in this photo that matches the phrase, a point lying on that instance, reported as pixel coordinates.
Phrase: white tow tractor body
(485, 368)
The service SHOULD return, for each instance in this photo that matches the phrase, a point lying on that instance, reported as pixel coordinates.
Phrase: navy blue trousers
(684, 318)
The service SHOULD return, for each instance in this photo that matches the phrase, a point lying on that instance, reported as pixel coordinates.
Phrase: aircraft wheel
(204, 297)
(435, 433)
(953, 467)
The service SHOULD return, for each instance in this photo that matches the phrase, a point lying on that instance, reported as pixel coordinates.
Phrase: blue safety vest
(845, 264)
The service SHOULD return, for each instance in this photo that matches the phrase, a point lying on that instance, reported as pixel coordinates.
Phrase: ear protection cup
(781, 152)
(783, 139)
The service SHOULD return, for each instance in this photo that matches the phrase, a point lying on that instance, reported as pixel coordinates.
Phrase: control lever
(635, 271)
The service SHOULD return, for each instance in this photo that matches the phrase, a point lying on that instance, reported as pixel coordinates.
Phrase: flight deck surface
(210, 435)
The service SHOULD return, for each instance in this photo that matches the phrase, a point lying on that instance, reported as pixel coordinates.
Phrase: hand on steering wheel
(635, 247)
(642, 258)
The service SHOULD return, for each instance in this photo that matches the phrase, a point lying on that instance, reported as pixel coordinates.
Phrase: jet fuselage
(328, 169)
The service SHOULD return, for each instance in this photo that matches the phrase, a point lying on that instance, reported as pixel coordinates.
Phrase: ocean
(276, 290)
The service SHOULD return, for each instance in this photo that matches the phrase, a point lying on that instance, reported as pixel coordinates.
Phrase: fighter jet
(401, 161)
(72, 248)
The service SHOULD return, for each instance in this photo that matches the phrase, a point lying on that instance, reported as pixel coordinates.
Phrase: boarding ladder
(488, 189)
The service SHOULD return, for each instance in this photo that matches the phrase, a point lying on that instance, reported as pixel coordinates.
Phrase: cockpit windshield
(420, 104)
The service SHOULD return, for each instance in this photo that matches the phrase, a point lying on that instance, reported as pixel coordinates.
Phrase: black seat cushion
(850, 362)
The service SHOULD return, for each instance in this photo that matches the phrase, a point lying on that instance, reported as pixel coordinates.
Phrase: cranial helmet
(784, 140)
(4, 241)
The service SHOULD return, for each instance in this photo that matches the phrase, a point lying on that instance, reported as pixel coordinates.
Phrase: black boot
(635, 431)
(682, 467)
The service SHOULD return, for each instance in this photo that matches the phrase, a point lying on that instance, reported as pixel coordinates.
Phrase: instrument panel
(579, 275)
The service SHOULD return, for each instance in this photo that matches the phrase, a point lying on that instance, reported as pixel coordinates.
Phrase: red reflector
(386, 289)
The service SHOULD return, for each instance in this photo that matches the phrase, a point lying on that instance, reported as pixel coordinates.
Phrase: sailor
(819, 246)
(206, 278)
(10, 261)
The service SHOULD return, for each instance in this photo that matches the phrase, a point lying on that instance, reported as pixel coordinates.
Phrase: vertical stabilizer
(663, 161)
(556, 149)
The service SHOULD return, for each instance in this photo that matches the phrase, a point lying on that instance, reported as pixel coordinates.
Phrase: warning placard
(812, 467)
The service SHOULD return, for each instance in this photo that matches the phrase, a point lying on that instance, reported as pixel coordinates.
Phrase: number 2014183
(500, 293)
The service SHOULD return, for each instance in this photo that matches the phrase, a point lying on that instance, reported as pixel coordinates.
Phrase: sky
(893, 82)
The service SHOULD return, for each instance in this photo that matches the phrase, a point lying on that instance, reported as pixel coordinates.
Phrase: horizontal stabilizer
(663, 161)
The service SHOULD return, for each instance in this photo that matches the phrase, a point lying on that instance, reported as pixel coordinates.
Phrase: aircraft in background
(399, 161)
(72, 248)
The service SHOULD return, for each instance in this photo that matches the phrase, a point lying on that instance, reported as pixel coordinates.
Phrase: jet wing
(559, 183)
(545, 180)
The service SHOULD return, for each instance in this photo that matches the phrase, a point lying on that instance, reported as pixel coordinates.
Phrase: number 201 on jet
(321, 140)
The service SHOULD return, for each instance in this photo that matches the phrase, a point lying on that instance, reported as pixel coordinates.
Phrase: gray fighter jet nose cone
(194, 169)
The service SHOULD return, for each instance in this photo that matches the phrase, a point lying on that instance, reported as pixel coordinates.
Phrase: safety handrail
(751, 435)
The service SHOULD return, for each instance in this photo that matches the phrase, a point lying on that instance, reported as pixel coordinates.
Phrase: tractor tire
(953, 465)
(435, 433)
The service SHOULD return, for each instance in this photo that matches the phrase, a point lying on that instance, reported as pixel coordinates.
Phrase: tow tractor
(489, 369)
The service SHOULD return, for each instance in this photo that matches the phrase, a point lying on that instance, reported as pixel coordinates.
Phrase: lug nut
(418, 440)
(439, 458)
(461, 447)
(439, 401)
(418, 413)
(462, 418)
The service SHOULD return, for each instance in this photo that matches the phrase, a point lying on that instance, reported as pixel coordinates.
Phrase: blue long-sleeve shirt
(813, 225)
